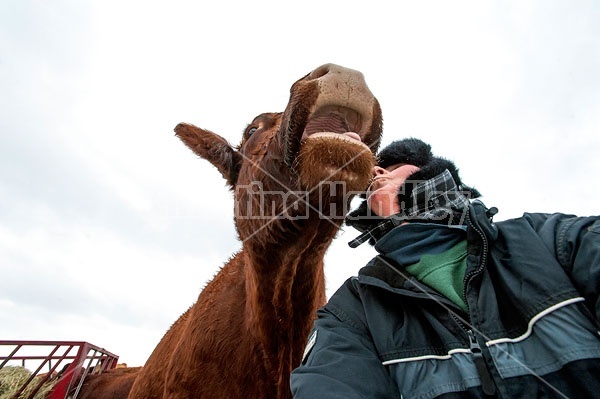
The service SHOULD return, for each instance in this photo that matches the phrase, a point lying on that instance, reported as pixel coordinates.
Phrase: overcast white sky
(110, 227)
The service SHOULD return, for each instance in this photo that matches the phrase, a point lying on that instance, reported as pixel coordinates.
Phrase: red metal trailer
(78, 359)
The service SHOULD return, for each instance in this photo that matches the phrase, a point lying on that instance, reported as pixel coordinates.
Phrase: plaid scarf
(437, 200)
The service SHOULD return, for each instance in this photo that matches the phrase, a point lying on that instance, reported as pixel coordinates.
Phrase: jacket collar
(479, 227)
(407, 243)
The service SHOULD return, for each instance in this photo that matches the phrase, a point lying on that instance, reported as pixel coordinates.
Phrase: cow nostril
(319, 72)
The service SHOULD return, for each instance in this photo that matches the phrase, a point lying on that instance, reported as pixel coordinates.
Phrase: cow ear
(213, 148)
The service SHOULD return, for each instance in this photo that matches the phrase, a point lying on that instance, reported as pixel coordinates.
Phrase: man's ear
(212, 147)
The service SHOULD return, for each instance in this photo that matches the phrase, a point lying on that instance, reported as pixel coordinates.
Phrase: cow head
(287, 163)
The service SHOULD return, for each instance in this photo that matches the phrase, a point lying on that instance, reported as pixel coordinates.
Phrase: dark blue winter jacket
(532, 286)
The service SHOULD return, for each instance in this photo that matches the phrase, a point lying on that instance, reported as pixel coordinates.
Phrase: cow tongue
(352, 135)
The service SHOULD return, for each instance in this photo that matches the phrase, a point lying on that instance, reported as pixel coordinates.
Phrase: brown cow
(112, 384)
(292, 178)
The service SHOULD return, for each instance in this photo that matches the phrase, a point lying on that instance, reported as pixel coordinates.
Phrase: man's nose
(378, 170)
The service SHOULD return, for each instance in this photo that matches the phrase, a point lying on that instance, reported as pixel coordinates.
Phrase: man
(455, 305)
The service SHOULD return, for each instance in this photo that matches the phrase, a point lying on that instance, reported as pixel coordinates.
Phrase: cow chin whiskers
(326, 160)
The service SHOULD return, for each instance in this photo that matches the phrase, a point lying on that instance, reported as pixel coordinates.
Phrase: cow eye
(251, 131)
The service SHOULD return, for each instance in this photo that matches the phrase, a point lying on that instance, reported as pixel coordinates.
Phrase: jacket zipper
(487, 383)
(482, 261)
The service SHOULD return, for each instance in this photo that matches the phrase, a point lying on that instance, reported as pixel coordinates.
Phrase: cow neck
(285, 287)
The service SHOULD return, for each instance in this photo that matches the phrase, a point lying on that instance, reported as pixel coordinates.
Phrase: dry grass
(13, 377)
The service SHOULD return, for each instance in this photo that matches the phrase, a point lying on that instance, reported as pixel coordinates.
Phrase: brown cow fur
(112, 384)
(248, 328)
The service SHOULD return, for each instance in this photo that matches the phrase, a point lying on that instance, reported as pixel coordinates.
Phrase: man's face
(382, 194)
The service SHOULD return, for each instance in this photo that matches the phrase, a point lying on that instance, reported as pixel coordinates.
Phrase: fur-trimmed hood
(410, 151)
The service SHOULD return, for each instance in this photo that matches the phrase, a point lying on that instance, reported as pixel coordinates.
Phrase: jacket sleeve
(340, 360)
(576, 241)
